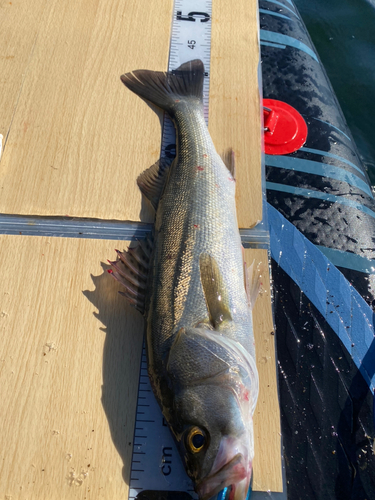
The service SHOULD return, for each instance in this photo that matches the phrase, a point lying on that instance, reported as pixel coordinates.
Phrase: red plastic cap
(285, 129)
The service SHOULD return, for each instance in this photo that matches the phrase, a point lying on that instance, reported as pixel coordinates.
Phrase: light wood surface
(76, 139)
(69, 361)
(70, 353)
(234, 110)
(17, 42)
(267, 460)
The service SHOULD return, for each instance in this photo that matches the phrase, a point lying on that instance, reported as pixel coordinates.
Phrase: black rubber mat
(326, 405)
(323, 188)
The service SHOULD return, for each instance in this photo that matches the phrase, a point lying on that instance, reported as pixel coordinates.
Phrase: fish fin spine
(131, 271)
(151, 182)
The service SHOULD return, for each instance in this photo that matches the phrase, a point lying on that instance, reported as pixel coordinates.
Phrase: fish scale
(156, 465)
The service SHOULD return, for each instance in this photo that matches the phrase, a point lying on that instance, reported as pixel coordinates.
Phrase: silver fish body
(200, 342)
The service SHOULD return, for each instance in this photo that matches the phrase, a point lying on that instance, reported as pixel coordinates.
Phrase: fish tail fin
(166, 90)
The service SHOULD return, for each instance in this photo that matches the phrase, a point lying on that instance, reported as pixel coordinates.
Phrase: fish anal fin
(228, 158)
(214, 290)
(151, 182)
(131, 271)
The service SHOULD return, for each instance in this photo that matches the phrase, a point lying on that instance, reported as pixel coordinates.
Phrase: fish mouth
(235, 472)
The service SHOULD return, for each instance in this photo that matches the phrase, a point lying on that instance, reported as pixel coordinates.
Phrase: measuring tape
(157, 472)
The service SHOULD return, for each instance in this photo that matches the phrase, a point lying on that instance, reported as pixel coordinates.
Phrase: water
(343, 32)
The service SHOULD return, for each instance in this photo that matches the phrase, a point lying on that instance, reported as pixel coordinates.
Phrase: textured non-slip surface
(321, 205)
(323, 188)
(326, 405)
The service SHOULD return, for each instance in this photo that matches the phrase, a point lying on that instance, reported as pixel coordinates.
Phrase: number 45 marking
(191, 44)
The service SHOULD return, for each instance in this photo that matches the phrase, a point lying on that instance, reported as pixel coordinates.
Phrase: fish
(191, 283)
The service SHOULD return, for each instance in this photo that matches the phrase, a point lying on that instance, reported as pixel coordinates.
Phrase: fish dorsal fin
(214, 290)
(131, 270)
(151, 182)
(229, 161)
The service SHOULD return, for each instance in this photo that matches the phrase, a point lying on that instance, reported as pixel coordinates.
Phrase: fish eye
(196, 440)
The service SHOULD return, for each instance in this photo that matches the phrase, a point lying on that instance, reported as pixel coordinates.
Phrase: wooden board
(69, 361)
(234, 111)
(76, 139)
(267, 460)
(70, 353)
(17, 42)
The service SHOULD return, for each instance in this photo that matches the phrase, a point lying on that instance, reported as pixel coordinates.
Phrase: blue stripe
(271, 13)
(331, 155)
(348, 260)
(318, 168)
(291, 3)
(222, 495)
(271, 36)
(330, 124)
(325, 286)
(282, 5)
(312, 193)
(277, 45)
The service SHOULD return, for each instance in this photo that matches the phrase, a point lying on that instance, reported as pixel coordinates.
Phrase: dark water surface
(343, 32)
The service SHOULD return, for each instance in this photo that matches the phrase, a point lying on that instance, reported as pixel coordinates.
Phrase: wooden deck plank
(234, 112)
(267, 460)
(77, 140)
(17, 42)
(70, 353)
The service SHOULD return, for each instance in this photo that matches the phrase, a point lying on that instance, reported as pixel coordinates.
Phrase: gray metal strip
(65, 227)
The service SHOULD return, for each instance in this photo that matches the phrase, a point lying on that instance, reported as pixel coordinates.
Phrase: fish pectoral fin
(253, 282)
(151, 182)
(131, 270)
(229, 161)
(214, 290)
